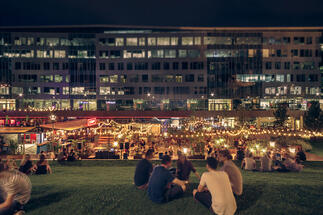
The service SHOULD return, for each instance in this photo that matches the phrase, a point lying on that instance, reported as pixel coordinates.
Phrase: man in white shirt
(214, 190)
(248, 163)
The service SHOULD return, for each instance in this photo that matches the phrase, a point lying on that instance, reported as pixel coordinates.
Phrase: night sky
(163, 12)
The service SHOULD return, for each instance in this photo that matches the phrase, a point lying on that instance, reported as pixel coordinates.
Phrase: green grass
(317, 146)
(105, 187)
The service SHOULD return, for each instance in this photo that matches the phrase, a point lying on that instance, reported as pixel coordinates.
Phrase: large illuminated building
(159, 68)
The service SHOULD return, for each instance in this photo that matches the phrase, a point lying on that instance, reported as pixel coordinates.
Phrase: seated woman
(15, 192)
(26, 166)
(42, 166)
(248, 163)
(11, 164)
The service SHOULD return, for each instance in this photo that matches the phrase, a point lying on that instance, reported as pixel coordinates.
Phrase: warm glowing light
(272, 144)
(292, 150)
(185, 150)
(115, 144)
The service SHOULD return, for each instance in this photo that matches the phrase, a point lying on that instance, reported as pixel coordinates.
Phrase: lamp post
(52, 117)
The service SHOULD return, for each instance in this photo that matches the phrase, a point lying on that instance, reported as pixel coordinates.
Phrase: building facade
(159, 68)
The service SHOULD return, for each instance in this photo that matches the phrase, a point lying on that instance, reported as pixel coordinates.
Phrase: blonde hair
(17, 184)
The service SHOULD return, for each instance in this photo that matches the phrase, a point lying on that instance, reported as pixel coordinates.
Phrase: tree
(281, 114)
(313, 118)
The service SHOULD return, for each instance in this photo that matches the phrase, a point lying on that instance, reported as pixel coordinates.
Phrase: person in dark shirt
(71, 156)
(184, 168)
(26, 165)
(143, 171)
(162, 185)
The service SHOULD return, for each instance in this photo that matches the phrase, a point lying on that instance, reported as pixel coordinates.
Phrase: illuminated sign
(91, 122)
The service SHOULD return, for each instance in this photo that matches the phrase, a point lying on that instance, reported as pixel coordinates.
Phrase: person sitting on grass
(162, 185)
(26, 166)
(42, 167)
(266, 163)
(232, 170)
(61, 157)
(71, 156)
(184, 168)
(248, 163)
(15, 192)
(143, 170)
(11, 164)
(291, 164)
(214, 190)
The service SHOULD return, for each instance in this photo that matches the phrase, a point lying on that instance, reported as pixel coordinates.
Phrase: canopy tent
(15, 130)
(71, 125)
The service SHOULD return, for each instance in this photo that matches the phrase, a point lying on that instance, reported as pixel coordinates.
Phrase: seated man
(214, 190)
(143, 170)
(232, 170)
(184, 168)
(162, 186)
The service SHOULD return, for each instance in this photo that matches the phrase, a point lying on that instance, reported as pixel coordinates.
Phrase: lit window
(105, 90)
(163, 41)
(174, 41)
(142, 41)
(197, 40)
(119, 41)
(132, 41)
(152, 41)
(187, 41)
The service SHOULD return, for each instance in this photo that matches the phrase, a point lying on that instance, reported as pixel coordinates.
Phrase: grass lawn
(105, 187)
(317, 147)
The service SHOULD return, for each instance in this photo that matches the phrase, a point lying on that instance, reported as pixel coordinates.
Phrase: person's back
(25, 168)
(266, 163)
(250, 163)
(142, 173)
(158, 182)
(218, 184)
(184, 169)
(234, 175)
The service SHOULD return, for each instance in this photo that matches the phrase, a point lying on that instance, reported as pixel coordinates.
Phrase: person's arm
(178, 182)
(243, 164)
(7, 203)
(49, 170)
(197, 175)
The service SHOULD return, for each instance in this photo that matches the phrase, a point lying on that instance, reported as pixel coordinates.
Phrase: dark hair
(41, 159)
(149, 152)
(226, 153)
(166, 159)
(212, 163)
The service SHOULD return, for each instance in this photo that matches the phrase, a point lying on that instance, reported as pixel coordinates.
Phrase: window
(142, 41)
(105, 90)
(132, 41)
(169, 78)
(252, 52)
(265, 53)
(307, 65)
(270, 90)
(197, 40)
(115, 54)
(170, 53)
(184, 65)
(174, 41)
(141, 66)
(296, 65)
(248, 40)
(313, 78)
(197, 65)
(286, 40)
(44, 54)
(58, 78)
(175, 65)
(294, 52)
(59, 54)
(155, 53)
(55, 66)
(163, 41)
(119, 41)
(189, 78)
(166, 66)
(155, 66)
(194, 53)
(104, 54)
(280, 78)
(200, 78)
(129, 66)
(289, 77)
(144, 78)
(179, 78)
(104, 78)
(157, 78)
(120, 66)
(111, 66)
(287, 65)
(308, 40)
(46, 66)
(268, 65)
(182, 53)
(152, 41)
(4, 90)
(17, 66)
(300, 78)
(113, 78)
(295, 90)
(187, 41)
(102, 66)
(298, 40)
(277, 65)
(52, 41)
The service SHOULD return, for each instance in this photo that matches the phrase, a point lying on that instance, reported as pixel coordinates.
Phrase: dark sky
(163, 12)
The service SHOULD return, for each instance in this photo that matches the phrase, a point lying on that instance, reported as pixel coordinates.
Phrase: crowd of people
(216, 189)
